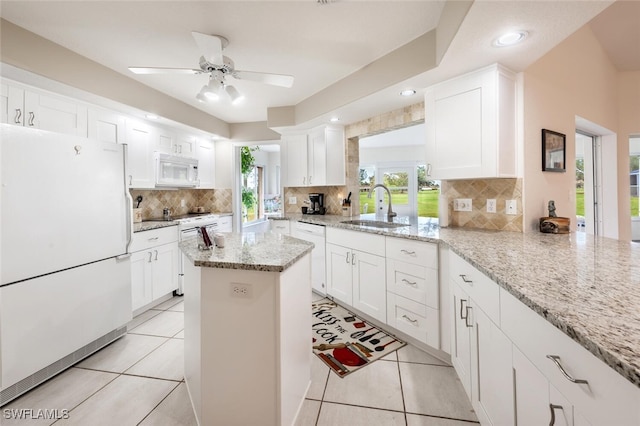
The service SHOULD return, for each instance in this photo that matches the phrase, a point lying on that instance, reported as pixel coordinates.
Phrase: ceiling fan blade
(157, 70)
(262, 77)
(211, 46)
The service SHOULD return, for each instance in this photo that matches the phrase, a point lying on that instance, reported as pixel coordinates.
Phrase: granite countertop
(268, 252)
(147, 225)
(588, 287)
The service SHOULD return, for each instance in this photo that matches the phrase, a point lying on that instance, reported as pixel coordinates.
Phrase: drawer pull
(153, 239)
(553, 408)
(463, 309)
(413, 321)
(464, 278)
(404, 280)
(409, 252)
(556, 361)
(468, 317)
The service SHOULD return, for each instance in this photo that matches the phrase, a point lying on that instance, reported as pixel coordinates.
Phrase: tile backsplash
(333, 196)
(155, 200)
(480, 190)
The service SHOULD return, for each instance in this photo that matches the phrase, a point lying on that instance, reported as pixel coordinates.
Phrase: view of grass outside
(427, 202)
(580, 203)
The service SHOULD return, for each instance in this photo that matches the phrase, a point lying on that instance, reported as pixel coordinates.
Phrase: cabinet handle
(153, 239)
(353, 258)
(556, 361)
(413, 321)
(130, 180)
(409, 252)
(18, 118)
(310, 179)
(156, 255)
(32, 117)
(429, 169)
(464, 278)
(348, 257)
(150, 256)
(467, 318)
(415, 284)
(463, 309)
(554, 407)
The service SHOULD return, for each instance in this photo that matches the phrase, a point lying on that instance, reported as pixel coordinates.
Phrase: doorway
(634, 186)
(587, 188)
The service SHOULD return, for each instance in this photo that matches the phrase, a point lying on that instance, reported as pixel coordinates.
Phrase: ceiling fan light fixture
(236, 97)
(202, 94)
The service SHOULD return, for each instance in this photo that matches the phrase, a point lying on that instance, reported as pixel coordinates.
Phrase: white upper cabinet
(140, 138)
(185, 146)
(205, 152)
(105, 125)
(23, 106)
(471, 126)
(316, 158)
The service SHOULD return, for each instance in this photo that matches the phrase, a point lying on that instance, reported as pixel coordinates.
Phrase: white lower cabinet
(415, 319)
(461, 337)
(356, 271)
(154, 267)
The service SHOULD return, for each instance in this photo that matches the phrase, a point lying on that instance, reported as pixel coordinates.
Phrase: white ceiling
(317, 43)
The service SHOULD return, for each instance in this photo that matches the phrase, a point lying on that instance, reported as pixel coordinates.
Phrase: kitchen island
(248, 329)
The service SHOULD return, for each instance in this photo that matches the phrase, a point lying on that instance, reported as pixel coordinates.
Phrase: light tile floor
(138, 380)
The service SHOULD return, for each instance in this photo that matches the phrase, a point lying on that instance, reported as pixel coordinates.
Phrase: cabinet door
(165, 142)
(339, 273)
(186, 146)
(105, 126)
(165, 269)
(317, 161)
(491, 372)
(59, 115)
(335, 148)
(15, 105)
(297, 160)
(369, 284)
(140, 137)
(460, 339)
(4, 104)
(141, 279)
(206, 162)
(531, 392)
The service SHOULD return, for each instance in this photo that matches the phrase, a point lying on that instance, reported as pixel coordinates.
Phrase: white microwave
(172, 171)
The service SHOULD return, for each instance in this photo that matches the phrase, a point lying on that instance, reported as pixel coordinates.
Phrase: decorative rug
(346, 342)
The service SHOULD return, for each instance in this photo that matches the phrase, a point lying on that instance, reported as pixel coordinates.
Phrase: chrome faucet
(390, 212)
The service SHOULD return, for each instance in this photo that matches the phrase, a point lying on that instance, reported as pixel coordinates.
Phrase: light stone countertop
(588, 287)
(147, 225)
(267, 251)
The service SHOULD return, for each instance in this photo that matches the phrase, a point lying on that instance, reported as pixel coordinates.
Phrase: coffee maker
(317, 203)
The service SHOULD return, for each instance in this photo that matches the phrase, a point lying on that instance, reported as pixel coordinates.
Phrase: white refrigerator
(65, 227)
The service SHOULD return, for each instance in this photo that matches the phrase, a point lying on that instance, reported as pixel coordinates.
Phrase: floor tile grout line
(364, 406)
(404, 405)
(158, 404)
(443, 417)
(144, 357)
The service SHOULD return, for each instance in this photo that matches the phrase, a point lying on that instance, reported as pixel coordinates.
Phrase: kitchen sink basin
(374, 223)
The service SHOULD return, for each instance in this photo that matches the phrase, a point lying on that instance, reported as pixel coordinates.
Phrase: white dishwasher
(314, 234)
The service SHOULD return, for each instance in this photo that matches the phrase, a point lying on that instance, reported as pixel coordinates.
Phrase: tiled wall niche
(479, 190)
(155, 200)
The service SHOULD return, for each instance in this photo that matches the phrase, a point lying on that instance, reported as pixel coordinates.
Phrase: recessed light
(151, 116)
(334, 119)
(408, 92)
(510, 38)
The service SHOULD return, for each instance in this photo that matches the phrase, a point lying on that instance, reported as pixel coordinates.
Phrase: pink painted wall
(576, 78)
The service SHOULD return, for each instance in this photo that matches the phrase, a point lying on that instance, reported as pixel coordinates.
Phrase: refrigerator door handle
(129, 199)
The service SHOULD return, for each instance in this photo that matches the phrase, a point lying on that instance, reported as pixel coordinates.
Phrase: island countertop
(586, 286)
(269, 252)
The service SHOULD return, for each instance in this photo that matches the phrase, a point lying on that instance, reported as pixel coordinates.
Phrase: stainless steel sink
(374, 223)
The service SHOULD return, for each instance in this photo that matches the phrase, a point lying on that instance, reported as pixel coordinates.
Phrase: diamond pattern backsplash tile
(480, 190)
(182, 201)
(333, 196)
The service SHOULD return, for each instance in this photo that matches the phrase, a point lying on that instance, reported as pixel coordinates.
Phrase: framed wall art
(553, 151)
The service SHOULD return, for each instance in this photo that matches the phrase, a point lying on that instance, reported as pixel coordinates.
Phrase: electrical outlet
(183, 203)
(491, 205)
(462, 204)
(293, 200)
(241, 290)
(511, 207)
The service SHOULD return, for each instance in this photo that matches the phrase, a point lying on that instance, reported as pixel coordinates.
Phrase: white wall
(372, 156)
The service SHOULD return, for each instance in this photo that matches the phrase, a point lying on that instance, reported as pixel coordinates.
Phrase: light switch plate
(293, 200)
(462, 204)
(511, 207)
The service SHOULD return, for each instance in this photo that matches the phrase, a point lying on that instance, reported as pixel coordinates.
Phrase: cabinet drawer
(154, 237)
(608, 398)
(362, 241)
(484, 292)
(414, 282)
(281, 226)
(417, 320)
(418, 253)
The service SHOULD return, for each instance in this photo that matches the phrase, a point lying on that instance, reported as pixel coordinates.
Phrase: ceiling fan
(218, 67)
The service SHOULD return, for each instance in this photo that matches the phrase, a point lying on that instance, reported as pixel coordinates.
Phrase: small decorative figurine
(552, 209)
(553, 224)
